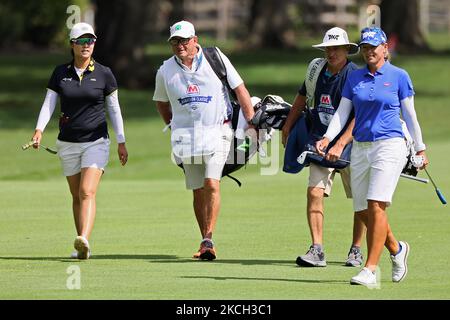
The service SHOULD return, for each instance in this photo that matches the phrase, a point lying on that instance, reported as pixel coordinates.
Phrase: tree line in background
(126, 27)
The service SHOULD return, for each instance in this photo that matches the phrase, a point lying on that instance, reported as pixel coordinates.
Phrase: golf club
(417, 161)
(301, 159)
(30, 144)
(438, 192)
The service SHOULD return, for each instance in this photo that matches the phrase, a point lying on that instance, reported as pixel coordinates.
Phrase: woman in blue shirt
(377, 94)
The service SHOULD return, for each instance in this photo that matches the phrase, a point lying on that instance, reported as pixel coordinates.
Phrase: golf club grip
(441, 196)
(27, 145)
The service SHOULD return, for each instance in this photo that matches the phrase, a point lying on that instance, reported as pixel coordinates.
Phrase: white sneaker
(82, 246)
(366, 278)
(75, 255)
(399, 266)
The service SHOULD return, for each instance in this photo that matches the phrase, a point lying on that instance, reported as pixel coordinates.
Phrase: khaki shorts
(321, 177)
(376, 168)
(197, 169)
(77, 155)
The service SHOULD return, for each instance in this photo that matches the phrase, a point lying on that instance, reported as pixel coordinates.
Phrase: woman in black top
(84, 87)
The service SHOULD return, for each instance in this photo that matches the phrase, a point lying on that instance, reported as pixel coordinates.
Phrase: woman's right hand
(322, 145)
(37, 137)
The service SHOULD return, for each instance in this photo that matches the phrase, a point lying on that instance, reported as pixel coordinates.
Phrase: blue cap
(373, 36)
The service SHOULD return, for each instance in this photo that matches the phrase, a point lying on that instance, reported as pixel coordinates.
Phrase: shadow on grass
(160, 258)
(98, 257)
(266, 279)
(54, 259)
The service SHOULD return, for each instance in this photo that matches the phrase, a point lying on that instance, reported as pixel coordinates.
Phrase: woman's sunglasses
(83, 41)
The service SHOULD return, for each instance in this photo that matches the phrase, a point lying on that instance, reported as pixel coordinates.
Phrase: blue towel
(299, 140)
(296, 143)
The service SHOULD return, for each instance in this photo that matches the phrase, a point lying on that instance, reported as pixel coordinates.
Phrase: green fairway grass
(146, 233)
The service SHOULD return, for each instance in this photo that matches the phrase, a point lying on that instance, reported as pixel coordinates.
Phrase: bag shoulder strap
(312, 74)
(216, 63)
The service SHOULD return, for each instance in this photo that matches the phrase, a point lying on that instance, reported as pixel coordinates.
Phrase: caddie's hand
(335, 152)
(123, 153)
(251, 130)
(37, 137)
(425, 159)
(322, 145)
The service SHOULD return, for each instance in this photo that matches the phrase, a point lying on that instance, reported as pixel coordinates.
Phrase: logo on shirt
(387, 84)
(193, 89)
(325, 100)
(195, 99)
(67, 79)
(325, 109)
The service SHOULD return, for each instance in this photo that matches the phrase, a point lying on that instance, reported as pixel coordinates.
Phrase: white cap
(182, 29)
(81, 28)
(337, 37)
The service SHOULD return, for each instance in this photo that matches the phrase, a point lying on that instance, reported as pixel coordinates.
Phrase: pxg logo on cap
(333, 37)
(373, 36)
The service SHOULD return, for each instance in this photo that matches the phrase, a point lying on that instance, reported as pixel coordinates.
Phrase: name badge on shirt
(325, 109)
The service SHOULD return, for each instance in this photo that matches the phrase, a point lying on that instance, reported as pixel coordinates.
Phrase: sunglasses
(83, 41)
(177, 41)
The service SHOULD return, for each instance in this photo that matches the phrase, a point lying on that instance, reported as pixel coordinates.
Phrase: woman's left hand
(123, 153)
(335, 152)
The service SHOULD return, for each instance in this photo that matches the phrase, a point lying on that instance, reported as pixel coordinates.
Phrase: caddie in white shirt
(190, 97)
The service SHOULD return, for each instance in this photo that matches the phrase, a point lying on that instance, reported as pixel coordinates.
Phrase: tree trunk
(270, 25)
(122, 28)
(400, 22)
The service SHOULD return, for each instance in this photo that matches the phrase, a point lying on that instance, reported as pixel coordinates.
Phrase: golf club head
(49, 150)
(438, 192)
(301, 159)
(441, 196)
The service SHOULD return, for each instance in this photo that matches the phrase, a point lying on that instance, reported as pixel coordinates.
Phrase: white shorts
(77, 155)
(321, 177)
(375, 170)
(197, 169)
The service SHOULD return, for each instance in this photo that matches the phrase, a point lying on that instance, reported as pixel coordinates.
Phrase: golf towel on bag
(300, 139)
(297, 140)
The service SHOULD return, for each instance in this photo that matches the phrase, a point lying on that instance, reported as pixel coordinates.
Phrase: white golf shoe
(366, 278)
(399, 263)
(76, 255)
(82, 246)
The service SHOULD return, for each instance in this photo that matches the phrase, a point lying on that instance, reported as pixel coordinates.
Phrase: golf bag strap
(312, 74)
(235, 180)
(216, 63)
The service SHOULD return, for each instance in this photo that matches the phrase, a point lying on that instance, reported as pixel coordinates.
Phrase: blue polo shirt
(83, 113)
(376, 101)
(327, 97)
